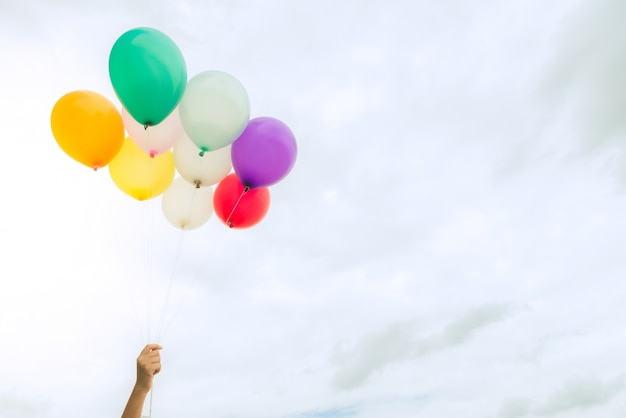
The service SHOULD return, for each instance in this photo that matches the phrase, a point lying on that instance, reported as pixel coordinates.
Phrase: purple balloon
(264, 153)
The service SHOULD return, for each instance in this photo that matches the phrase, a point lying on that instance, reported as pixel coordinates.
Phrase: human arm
(148, 365)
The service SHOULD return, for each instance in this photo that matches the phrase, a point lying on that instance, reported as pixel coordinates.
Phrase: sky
(448, 243)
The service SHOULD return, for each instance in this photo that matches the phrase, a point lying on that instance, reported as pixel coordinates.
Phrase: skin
(148, 365)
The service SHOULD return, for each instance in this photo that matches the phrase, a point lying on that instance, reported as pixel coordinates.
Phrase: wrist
(141, 389)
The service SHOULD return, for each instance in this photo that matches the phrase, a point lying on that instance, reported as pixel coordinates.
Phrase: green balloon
(148, 74)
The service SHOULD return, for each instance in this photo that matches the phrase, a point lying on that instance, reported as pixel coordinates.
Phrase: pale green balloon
(214, 110)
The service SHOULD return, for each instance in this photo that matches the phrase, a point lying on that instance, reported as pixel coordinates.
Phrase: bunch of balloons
(199, 128)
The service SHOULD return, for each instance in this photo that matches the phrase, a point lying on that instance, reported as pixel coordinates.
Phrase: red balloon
(237, 206)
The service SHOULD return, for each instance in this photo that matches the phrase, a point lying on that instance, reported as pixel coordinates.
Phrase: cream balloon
(205, 170)
(154, 140)
(186, 206)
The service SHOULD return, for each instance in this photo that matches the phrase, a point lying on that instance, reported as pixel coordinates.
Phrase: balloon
(237, 207)
(87, 127)
(154, 140)
(148, 73)
(214, 110)
(186, 206)
(264, 153)
(138, 175)
(198, 170)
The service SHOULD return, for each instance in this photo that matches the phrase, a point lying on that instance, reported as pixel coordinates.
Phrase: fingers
(149, 361)
(148, 365)
(151, 347)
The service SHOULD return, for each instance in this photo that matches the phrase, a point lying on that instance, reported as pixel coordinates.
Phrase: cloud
(399, 342)
(461, 330)
(373, 354)
(515, 408)
(575, 96)
(581, 392)
(586, 75)
(577, 393)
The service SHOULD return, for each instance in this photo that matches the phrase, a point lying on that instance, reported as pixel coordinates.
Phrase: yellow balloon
(140, 176)
(87, 127)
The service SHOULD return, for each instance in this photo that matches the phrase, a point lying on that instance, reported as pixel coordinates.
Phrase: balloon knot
(246, 189)
(152, 154)
(96, 167)
(230, 224)
(145, 125)
(197, 183)
(202, 153)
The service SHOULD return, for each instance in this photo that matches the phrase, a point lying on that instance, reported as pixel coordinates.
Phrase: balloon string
(169, 286)
(149, 256)
(149, 228)
(227, 221)
(145, 274)
(146, 269)
(147, 222)
(133, 302)
(176, 261)
(164, 325)
(212, 249)
(149, 404)
(209, 255)
(136, 287)
(151, 251)
(151, 392)
(148, 251)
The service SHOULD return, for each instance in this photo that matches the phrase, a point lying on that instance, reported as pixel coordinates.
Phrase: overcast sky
(448, 244)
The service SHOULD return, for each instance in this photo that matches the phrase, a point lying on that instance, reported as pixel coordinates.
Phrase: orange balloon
(88, 127)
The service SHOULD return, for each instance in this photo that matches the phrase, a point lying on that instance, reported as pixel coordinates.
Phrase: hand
(148, 365)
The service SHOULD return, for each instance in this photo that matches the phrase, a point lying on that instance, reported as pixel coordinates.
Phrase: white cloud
(515, 408)
(576, 394)
(400, 342)
(585, 81)
(580, 393)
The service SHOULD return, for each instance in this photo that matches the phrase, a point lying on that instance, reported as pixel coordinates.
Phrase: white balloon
(154, 140)
(205, 170)
(186, 206)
